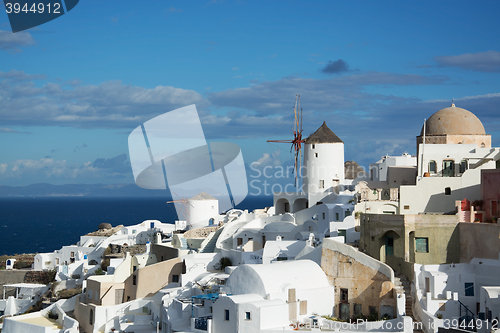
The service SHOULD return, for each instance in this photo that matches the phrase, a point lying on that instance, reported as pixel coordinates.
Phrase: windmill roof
(203, 196)
(323, 135)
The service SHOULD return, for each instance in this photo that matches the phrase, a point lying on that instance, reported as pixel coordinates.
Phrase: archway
(282, 206)
(300, 204)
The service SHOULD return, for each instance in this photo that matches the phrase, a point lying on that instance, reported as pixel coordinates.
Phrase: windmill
(183, 210)
(297, 140)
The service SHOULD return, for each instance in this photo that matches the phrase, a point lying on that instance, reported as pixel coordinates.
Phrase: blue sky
(71, 90)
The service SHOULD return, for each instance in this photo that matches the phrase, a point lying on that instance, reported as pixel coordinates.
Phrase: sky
(72, 89)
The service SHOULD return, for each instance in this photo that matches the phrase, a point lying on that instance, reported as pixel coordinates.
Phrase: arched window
(432, 167)
(483, 145)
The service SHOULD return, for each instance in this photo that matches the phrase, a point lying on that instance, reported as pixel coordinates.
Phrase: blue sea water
(45, 224)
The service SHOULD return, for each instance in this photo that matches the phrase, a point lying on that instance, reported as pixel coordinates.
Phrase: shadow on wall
(445, 203)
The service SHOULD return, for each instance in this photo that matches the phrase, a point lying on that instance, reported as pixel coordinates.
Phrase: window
(432, 167)
(248, 316)
(483, 145)
(323, 216)
(72, 254)
(287, 207)
(344, 295)
(407, 207)
(347, 213)
(314, 146)
(211, 309)
(463, 166)
(494, 208)
(372, 310)
(447, 191)
(134, 280)
(226, 314)
(91, 317)
(422, 244)
(315, 154)
(303, 308)
(497, 164)
(358, 310)
(469, 289)
(71, 260)
(336, 216)
(239, 241)
(321, 184)
(175, 278)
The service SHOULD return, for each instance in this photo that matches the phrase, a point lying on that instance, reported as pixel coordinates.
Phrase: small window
(447, 191)
(211, 309)
(91, 317)
(134, 280)
(373, 238)
(248, 316)
(72, 254)
(226, 314)
(175, 278)
(315, 154)
(337, 216)
(483, 145)
(469, 289)
(314, 146)
(432, 167)
(348, 213)
(239, 241)
(344, 295)
(497, 164)
(134, 231)
(324, 216)
(407, 207)
(372, 310)
(422, 244)
(287, 207)
(321, 184)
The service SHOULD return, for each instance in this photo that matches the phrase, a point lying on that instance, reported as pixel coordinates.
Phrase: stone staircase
(210, 245)
(401, 283)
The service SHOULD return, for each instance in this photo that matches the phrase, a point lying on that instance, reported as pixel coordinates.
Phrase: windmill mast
(297, 140)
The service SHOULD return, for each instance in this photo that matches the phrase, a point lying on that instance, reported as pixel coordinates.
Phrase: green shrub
(224, 262)
(99, 271)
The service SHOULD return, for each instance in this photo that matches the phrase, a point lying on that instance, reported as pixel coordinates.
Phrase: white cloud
(12, 42)
(49, 170)
(482, 61)
(109, 104)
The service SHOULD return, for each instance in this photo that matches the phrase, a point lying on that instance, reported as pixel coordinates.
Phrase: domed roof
(453, 121)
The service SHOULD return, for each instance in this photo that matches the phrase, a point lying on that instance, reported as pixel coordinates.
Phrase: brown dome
(453, 121)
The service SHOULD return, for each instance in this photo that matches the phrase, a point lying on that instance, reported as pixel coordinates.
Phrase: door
(448, 169)
(389, 245)
(344, 311)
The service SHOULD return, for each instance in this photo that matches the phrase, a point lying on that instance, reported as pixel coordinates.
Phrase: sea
(45, 224)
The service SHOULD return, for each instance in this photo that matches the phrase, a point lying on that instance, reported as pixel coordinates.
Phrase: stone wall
(369, 283)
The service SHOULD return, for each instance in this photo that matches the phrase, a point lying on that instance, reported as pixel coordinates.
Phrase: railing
(472, 316)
